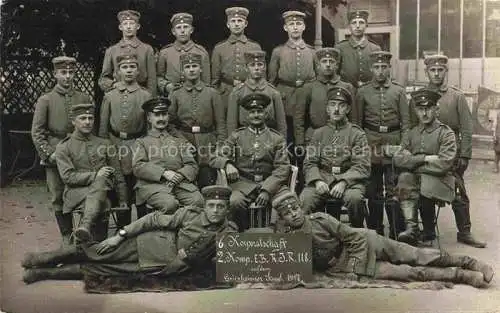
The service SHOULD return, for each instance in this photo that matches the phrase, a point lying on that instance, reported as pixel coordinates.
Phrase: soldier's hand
(181, 254)
(106, 171)
(338, 190)
(109, 244)
(52, 158)
(322, 187)
(177, 179)
(431, 158)
(262, 199)
(232, 173)
(169, 175)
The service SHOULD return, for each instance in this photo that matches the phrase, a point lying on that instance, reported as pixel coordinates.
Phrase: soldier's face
(293, 217)
(436, 74)
(216, 210)
(426, 115)
(256, 70)
(84, 123)
(192, 71)
(381, 72)
(64, 77)
(158, 120)
(327, 66)
(295, 29)
(236, 25)
(256, 116)
(357, 27)
(128, 72)
(129, 28)
(182, 32)
(337, 110)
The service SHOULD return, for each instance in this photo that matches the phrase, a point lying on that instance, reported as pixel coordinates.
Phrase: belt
(383, 129)
(125, 136)
(336, 170)
(295, 84)
(234, 82)
(196, 129)
(258, 178)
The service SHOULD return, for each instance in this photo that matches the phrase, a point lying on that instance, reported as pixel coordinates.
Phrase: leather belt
(196, 129)
(258, 178)
(383, 129)
(125, 136)
(233, 82)
(336, 170)
(295, 84)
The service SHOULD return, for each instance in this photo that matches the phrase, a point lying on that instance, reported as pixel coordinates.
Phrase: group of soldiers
(169, 125)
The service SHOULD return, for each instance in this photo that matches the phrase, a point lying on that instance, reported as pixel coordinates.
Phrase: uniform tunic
(355, 66)
(146, 60)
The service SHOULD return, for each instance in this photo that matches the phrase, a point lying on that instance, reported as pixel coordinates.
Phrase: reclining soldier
(156, 244)
(353, 251)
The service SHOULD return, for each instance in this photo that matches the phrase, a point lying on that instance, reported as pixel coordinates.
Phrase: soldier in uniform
(454, 112)
(123, 120)
(355, 51)
(169, 69)
(337, 163)
(129, 44)
(427, 154)
(362, 252)
(381, 109)
(51, 124)
(314, 115)
(255, 160)
(228, 59)
(256, 82)
(90, 169)
(164, 165)
(196, 112)
(155, 244)
(292, 64)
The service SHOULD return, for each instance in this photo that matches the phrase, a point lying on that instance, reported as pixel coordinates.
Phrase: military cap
(81, 108)
(436, 59)
(255, 100)
(128, 15)
(339, 93)
(425, 97)
(293, 16)
(216, 192)
(363, 14)
(328, 53)
(188, 58)
(237, 12)
(181, 18)
(285, 201)
(255, 56)
(64, 62)
(159, 104)
(381, 57)
(127, 58)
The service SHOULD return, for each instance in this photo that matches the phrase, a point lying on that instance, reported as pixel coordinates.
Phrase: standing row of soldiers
(300, 80)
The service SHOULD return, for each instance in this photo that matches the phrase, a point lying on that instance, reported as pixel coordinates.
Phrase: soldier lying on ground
(155, 244)
(340, 248)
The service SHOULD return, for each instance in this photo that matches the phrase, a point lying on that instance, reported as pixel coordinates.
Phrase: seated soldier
(426, 157)
(340, 248)
(337, 163)
(255, 160)
(89, 168)
(155, 244)
(164, 165)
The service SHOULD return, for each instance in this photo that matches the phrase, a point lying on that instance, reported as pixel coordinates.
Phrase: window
(450, 28)
(473, 29)
(408, 21)
(428, 32)
(492, 28)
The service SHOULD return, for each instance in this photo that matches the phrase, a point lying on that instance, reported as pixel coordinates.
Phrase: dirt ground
(27, 225)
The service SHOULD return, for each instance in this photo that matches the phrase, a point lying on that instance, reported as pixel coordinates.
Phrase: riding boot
(465, 262)
(66, 272)
(395, 217)
(454, 275)
(65, 223)
(65, 254)
(409, 236)
(90, 215)
(428, 214)
(376, 216)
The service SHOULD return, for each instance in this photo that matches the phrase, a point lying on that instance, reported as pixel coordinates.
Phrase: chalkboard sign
(264, 257)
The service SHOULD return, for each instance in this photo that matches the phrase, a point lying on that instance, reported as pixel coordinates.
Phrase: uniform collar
(79, 136)
(432, 127)
(257, 131)
(443, 88)
(325, 81)
(186, 47)
(376, 85)
(294, 45)
(198, 86)
(63, 91)
(362, 43)
(260, 85)
(135, 42)
(233, 39)
(122, 86)
(339, 125)
(156, 133)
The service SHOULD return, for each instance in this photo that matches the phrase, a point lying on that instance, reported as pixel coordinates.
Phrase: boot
(52, 258)
(466, 237)
(395, 217)
(475, 279)
(91, 213)
(65, 223)
(409, 210)
(427, 210)
(465, 262)
(454, 275)
(66, 272)
(376, 216)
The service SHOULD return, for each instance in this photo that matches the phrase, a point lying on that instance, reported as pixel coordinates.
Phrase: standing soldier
(355, 51)
(454, 112)
(169, 69)
(314, 115)
(197, 112)
(51, 124)
(228, 62)
(130, 44)
(337, 164)
(123, 120)
(381, 109)
(292, 65)
(256, 82)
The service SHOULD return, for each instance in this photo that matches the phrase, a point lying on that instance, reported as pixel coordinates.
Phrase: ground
(26, 225)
